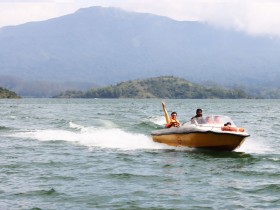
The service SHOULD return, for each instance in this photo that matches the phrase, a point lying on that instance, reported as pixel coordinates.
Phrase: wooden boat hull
(225, 141)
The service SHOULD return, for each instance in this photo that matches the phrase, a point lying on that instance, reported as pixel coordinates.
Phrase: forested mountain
(105, 46)
(160, 87)
(5, 93)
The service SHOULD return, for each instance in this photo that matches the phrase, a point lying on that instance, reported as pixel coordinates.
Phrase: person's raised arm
(167, 118)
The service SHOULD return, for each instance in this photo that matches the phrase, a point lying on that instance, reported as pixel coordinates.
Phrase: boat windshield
(212, 119)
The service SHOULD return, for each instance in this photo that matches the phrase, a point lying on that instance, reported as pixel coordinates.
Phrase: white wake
(95, 137)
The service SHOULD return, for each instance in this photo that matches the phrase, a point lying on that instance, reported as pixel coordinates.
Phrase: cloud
(252, 16)
(19, 12)
(263, 18)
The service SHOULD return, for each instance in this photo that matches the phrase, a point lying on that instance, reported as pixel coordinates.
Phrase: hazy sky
(252, 16)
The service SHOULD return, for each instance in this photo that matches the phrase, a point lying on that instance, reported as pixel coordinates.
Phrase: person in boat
(228, 124)
(198, 117)
(198, 113)
(228, 127)
(170, 122)
(173, 121)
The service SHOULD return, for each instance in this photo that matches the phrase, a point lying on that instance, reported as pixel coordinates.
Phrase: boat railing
(209, 126)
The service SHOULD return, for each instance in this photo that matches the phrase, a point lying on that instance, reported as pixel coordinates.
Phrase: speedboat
(215, 132)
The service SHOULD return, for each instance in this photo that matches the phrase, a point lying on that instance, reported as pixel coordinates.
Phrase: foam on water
(119, 139)
(254, 145)
(95, 137)
(158, 120)
(109, 136)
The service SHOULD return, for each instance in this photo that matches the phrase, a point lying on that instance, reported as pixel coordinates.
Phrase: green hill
(4, 93)
(159, 87)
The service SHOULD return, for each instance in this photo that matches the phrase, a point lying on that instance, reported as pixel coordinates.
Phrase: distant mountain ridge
(159, 87)
(105, 46)
(41, 88)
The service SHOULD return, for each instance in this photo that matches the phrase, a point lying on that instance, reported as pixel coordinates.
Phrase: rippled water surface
(98, 154)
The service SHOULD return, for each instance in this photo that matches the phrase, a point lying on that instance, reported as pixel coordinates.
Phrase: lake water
(98, 154)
